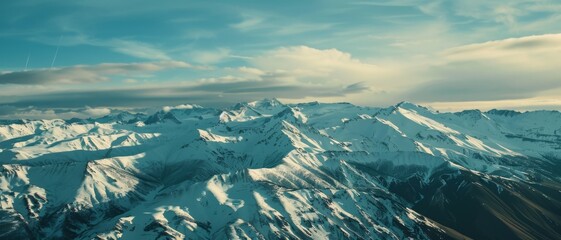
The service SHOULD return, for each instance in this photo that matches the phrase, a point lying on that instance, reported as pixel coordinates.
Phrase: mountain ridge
(266, 170)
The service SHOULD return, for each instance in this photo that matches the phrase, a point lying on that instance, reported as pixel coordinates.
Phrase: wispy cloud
(248, 23)
(291, 29)
(135, 49)
(128, 47)
(84, 73)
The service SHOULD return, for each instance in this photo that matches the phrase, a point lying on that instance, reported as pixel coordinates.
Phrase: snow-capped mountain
(268, 170)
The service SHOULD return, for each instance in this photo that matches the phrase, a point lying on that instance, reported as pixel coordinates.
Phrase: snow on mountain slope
(268, 170)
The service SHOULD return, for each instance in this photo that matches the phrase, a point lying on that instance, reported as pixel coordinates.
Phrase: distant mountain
(268, 170)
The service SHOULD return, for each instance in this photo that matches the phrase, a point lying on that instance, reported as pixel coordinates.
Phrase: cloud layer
(10, 112)
(84, 73)
(505, 71)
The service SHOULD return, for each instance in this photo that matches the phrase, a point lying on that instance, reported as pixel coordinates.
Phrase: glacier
(269, 170)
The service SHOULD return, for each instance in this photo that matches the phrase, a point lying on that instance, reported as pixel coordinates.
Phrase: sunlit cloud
(506, 69)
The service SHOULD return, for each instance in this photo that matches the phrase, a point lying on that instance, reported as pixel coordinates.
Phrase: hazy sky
(83, 58)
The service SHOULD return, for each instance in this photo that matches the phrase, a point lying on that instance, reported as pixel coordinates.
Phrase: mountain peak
(291, 113)
(410, 106)
(265, 103)
(407, 105)
(162, 116)
(506, 113)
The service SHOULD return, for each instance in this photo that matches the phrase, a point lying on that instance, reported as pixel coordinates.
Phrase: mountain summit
(268, 170)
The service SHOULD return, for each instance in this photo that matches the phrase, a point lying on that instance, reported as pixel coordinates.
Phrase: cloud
(209, 57)
(248, 23)
(513, 68)
(182, 106)
(250, 71)
(290, 73)
(128, 47)
(217, 93)
(12, 112)
(135, 49)
(503, 50)
(84, 73)
(306, 65)
(97, 111)
(525, 104)
(507, 13)
(277, 25)
(290, 29)
(499, 11)
(297, 72)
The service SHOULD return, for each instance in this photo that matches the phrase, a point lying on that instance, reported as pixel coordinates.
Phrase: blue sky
(450, 55)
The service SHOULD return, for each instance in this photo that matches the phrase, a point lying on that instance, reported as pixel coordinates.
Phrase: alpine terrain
(268, 170)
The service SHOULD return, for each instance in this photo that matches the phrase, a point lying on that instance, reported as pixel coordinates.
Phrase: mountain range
(268, 170)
